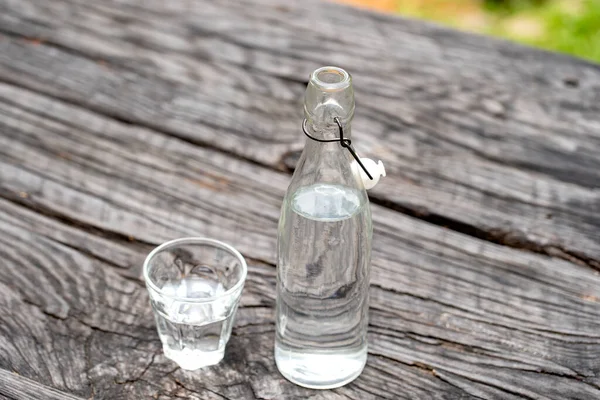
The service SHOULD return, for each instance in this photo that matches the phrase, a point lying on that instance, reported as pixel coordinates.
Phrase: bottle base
(320, 370)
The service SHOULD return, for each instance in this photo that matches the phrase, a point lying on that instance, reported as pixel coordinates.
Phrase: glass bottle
(324, 248)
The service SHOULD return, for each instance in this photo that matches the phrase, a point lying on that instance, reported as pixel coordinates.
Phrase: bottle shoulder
(331, 167)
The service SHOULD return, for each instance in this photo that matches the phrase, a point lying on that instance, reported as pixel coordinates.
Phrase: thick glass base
(320, 370)
(194, 359)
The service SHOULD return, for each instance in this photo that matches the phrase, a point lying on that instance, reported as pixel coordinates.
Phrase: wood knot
(571, 82)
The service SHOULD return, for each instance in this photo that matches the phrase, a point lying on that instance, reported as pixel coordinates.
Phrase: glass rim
(195, 240)
(343, 83)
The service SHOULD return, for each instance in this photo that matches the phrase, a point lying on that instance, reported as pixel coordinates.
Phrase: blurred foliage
(569, 26)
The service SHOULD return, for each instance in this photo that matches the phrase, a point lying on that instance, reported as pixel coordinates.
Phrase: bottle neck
(327, 131)
(329, 95)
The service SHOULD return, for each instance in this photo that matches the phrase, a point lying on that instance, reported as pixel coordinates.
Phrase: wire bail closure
(345, 143)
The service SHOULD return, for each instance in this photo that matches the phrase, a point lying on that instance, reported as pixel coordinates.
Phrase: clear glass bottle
(324, 249)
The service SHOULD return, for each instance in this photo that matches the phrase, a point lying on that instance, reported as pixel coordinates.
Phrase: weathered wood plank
(482, 136)
(127, 362)
(452, 317)
(17, 387)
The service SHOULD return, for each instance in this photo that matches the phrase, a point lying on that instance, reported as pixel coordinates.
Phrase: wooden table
(124, 124)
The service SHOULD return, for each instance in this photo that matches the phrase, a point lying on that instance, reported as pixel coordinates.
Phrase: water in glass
(194, 290)
(194, 335)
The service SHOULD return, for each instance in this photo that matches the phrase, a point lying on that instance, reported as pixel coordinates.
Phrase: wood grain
(488, 138)
(85, 197)
(124, 124)
(18, 387)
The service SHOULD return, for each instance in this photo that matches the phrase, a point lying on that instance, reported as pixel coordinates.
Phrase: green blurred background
(568, 26)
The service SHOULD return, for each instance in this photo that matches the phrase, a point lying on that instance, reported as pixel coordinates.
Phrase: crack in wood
(141, 375)
(513, 239)
(469, 315)
(40, 307)
(195, 391)
(256, 396)
(128, 120)
(26, 202)
(88, 362)
(432, 370)
(440, 377)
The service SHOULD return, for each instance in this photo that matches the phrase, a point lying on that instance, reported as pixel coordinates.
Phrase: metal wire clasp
(345, 143)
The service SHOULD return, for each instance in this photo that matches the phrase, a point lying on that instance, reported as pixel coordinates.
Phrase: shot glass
(195, 286)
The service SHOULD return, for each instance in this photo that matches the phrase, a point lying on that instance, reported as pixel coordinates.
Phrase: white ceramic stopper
(376, 170)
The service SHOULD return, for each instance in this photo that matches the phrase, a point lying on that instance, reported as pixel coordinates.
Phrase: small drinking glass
(195, 286)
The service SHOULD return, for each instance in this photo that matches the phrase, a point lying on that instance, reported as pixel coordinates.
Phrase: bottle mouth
(330, 78)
